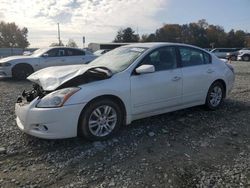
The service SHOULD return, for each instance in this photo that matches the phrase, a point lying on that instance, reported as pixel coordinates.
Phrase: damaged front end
(90, 75)
(28, 96)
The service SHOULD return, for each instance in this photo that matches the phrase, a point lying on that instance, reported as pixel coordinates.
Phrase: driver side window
(53, 53)
(56, 52)
(162, 59)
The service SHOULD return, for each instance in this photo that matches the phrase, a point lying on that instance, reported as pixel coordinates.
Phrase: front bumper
(48, 123)
(5, 72)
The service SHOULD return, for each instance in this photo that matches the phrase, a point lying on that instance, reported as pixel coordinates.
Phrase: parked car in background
(222, 52)
(101, 52)
(232, 55)
(26, 53)
(244, 55)
(20, 67)
(208, 49)
(128, 83)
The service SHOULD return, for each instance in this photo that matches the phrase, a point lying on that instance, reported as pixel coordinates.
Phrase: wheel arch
(117, 99)
(246, 55)
(22, 64)
(223, 84)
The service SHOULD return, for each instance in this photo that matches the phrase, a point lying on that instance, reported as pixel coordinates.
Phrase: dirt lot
(187, 148)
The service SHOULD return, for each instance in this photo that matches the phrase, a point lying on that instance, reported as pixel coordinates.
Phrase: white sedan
(20, 67)
(128, 83)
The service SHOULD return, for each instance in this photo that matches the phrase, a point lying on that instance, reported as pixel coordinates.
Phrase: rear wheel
(100, 120)
(22, 71)
(215, 96)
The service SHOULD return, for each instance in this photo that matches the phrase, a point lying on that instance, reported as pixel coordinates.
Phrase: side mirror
(45, 55)
(143, 69)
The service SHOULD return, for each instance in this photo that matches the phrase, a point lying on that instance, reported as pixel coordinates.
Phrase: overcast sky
(99, 20)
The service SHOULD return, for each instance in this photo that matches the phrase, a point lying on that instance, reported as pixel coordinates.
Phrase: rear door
(197, 74)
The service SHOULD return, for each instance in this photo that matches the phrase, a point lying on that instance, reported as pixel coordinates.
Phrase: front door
(160, 89)
(54, 57)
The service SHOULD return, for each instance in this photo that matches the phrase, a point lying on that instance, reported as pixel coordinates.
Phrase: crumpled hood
(11, 58)
(52, 77)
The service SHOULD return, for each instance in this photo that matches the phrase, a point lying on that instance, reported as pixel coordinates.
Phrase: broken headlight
(57, 98)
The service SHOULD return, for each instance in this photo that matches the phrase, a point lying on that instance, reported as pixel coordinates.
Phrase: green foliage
(201, 34)
(126, 35)
(11, 36)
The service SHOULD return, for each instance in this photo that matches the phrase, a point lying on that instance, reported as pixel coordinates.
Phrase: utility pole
(59, 39)
(83, 41)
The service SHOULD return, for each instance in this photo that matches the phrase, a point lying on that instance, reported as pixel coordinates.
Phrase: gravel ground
(187, 148)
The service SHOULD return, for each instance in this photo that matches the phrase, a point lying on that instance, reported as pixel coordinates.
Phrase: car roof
(65, 47)
(159, 44)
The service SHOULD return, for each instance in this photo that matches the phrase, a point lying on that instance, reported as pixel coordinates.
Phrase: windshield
(119, 59)
(39, 52)
(99, 52)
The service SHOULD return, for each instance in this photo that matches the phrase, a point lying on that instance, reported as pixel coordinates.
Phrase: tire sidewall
(216, 84)
(85, 115)
(246, 57)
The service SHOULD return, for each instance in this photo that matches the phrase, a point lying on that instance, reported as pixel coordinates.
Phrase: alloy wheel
(215, 96)
(246, 58)
(102, 121)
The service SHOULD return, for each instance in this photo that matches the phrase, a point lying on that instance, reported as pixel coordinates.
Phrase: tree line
(11, 36)
(199, 33)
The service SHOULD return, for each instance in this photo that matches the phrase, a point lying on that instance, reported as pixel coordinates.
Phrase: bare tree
(72, 43)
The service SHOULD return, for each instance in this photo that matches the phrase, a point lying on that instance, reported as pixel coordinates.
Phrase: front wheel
(100, 120)
(246, 58)
(215, 96)
(22, 71)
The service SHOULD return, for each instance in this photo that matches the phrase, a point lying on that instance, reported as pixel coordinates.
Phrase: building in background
(5, 52)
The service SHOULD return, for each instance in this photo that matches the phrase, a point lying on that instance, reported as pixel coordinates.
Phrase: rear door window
(75, 52)
(193, 57)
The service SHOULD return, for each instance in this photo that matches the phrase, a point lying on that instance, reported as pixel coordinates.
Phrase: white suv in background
(222, 52)
(244, 54)
(20, 67)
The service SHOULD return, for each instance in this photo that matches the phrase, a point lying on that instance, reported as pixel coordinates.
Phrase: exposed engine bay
(91, 75)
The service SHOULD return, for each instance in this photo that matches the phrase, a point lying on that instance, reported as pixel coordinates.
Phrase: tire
(21, 71)
(215, 96)
(246, 58)
(93, 121)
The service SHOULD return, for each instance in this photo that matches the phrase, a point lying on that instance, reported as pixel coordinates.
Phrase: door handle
(176, 78)
(210, 71)
(63, 60)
